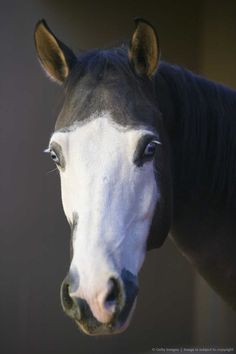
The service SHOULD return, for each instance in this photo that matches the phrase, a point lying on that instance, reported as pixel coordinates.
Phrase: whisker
(55, 169)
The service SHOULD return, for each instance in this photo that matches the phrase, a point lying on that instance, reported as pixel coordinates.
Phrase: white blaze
(114, 200)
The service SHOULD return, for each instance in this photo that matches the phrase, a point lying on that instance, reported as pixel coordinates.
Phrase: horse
(144, 150)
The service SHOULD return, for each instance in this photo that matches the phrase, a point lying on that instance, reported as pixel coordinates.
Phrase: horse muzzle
(113, 312)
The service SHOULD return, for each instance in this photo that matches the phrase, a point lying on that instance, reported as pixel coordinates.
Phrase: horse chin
(94, 328)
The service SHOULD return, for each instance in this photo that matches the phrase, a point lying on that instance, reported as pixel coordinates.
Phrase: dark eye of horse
(146, 149)
(54, 157)
(150, 149)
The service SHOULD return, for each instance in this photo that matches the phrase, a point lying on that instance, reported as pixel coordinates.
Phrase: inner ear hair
(55, 57)
(144, 48)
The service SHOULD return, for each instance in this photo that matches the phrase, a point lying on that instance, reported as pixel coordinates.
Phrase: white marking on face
(114, 200)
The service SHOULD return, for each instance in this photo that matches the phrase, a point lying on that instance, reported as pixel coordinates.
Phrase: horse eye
(54, 157)
(150, 149)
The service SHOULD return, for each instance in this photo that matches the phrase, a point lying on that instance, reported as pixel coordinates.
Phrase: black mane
(203, 129)
(101, 63)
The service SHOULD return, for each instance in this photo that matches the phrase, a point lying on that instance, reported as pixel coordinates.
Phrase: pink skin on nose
(102, 310)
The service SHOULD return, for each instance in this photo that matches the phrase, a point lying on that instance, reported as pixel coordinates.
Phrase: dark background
(175, 306)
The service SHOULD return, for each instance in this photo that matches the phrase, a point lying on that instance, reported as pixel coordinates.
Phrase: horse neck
(199, 118)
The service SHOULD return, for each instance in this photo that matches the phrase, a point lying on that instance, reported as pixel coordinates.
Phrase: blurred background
(175, 308)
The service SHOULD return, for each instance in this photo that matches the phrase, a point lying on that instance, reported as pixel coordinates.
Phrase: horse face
(111, 154)
(109, 193)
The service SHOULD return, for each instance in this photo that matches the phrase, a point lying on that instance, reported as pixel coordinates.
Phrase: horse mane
(203, 132)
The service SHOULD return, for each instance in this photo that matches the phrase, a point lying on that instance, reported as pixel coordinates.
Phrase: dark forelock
(104, 80)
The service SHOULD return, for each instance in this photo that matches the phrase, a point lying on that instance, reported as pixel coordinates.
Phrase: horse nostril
(66, 300)
(113, 295)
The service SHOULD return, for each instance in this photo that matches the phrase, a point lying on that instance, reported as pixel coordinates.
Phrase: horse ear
(55, 57)
(144, 49)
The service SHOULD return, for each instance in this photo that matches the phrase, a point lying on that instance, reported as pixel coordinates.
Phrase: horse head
(111, 151)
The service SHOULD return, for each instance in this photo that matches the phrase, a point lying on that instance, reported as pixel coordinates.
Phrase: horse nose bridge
(97, 209)
(96, 248)
(103, 199)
